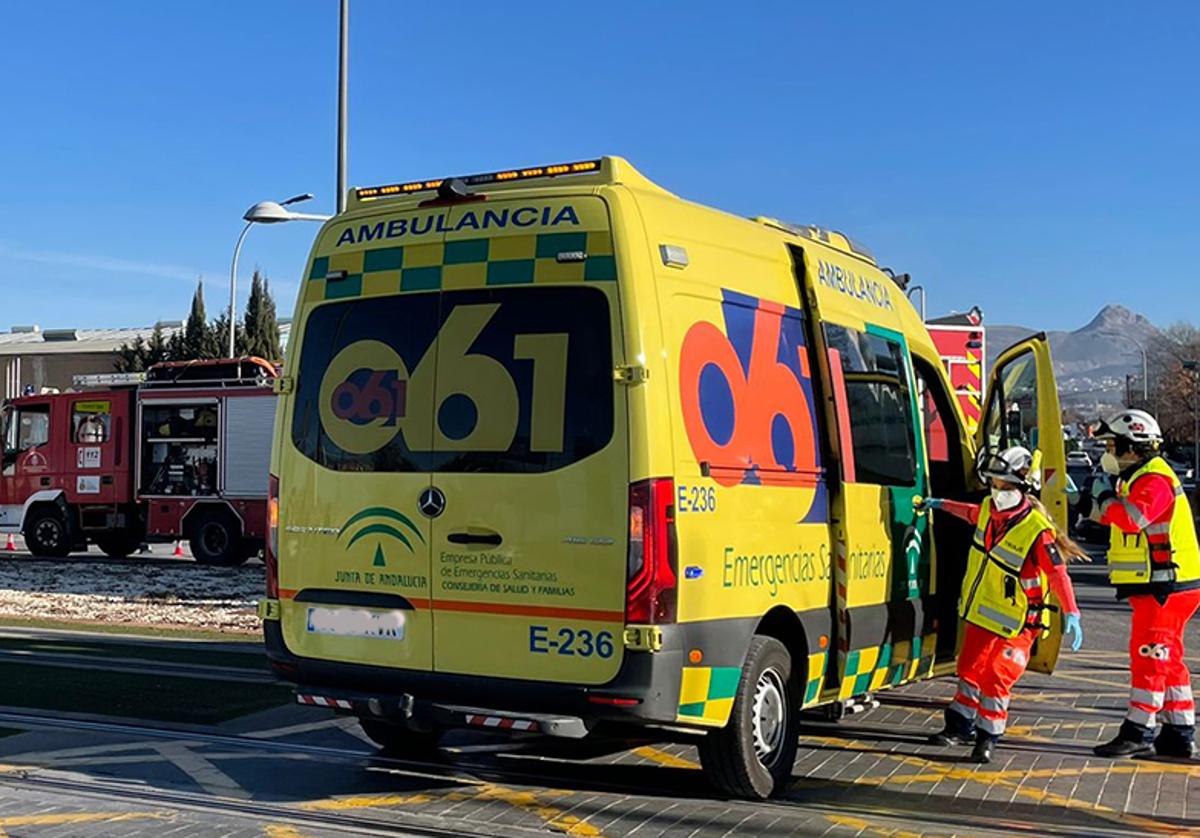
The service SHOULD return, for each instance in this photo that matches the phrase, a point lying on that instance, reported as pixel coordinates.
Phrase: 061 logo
(747, 395)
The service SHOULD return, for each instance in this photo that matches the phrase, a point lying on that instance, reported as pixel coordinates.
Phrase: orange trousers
(1160, 681)
(989, 666)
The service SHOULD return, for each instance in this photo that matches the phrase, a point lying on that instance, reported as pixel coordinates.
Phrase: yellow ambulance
(559, 452)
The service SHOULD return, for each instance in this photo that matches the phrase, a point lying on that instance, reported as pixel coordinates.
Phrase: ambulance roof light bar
(580, 167)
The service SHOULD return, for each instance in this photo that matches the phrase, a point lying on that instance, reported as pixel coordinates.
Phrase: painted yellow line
(869, 828)
(58, 819)
(1015, 779)
(663, 758)
(528, 801)
(369, 802)
(278, 830)
(1026, 730)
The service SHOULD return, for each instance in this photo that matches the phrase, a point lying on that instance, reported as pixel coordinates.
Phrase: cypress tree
(197, 337)
(261, 328)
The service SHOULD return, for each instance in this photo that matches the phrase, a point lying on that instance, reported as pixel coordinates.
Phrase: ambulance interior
(1010, 418)
(945, 439)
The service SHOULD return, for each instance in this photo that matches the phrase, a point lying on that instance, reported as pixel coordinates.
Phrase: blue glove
(929, 504)
(1072, 627)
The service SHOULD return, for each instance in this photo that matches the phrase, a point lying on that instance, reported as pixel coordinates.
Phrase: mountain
(1090, 362)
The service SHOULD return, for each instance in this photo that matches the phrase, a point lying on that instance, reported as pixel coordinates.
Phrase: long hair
(1065, 544)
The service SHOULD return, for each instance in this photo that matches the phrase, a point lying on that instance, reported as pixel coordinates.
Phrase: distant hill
(1090, 362)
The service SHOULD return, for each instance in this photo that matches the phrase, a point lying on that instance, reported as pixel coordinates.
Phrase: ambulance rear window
(495, 380)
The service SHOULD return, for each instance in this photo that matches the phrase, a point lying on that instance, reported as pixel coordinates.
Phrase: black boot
(1176, 741)
(959, 730)
(984, 746)
(1131, 740)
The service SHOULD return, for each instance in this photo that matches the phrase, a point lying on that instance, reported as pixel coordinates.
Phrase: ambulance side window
(878, 405)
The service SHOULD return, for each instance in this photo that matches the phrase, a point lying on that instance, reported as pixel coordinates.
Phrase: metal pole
(1195, 429)
(343, 61)
(1145, 380)
(237, 249)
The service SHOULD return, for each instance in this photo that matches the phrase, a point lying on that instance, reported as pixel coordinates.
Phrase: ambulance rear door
(530, 472)
(1023, 409)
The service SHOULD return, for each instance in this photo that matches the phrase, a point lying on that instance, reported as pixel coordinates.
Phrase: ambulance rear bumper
(644, 691)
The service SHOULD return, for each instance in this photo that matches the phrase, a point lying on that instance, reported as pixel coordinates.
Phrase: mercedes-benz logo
(432, 502)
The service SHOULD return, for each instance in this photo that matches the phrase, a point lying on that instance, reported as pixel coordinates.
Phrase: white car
(1078, 458)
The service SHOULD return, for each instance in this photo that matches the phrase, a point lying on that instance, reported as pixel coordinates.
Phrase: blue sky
(1039, 163)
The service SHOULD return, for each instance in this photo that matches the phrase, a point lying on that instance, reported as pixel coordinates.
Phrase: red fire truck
(181, 452)
(959, 339)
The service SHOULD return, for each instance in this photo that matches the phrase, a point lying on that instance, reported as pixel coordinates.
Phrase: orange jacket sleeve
(1149, 498)
(969, 512)
(1045, 555)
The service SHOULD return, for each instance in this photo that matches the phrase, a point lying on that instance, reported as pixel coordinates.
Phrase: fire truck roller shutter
(249, 422)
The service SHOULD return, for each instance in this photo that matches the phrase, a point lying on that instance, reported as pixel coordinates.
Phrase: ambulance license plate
(356, 622)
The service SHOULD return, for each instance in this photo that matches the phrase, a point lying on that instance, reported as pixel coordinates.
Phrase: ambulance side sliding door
(883, 566)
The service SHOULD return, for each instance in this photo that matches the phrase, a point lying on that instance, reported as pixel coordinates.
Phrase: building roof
(32, 340)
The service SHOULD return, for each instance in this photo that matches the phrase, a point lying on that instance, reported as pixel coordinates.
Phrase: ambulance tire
(764, 719)
(216, 539)
(399, 740)
(48, 533)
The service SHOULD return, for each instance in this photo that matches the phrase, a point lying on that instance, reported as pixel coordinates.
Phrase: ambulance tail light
(650, 593)
(271, 548)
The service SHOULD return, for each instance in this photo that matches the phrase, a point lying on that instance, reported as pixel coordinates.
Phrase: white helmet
(1134, 425)
(1012, 465)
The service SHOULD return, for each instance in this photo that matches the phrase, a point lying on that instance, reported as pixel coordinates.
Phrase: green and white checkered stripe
(465, 263)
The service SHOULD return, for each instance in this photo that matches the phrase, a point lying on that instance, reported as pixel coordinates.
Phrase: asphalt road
(291, 771)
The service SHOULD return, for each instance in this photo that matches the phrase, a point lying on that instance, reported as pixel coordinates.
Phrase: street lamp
(1194, 368)
(1145, 365)
(264, 212)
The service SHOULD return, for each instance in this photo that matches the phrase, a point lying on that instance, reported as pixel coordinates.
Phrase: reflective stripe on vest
(993, 595)
(1164, 551)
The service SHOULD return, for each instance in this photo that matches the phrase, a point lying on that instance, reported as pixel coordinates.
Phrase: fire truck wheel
(47, 532)
(397, 739)
(752, 756)
(216, 539)
(119, 545)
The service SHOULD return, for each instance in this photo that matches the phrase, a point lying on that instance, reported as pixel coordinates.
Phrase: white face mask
(1109, 463)
(1004, 499)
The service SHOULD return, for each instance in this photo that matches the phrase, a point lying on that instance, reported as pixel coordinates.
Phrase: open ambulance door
(1023, 409)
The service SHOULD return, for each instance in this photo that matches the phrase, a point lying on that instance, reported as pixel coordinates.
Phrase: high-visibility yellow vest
(1146, 556)
(992, 594)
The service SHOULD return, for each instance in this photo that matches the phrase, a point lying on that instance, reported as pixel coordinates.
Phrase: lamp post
(264, 212)
(1194, 368)
(343, 96)
(1145, 365)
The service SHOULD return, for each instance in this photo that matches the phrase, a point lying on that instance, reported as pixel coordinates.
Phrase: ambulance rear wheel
(47, 533)
(400, 740)
(752, 756)
(216, 539)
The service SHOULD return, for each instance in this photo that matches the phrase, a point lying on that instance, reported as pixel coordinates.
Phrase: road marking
(664, 758)
(205, 774)
(864, 826)
(278, 830)
(80, 817)
(528, 801)
(340, 804)
(290, 730)
(931, 773)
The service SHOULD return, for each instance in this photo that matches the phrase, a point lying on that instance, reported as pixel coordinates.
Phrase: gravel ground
(158, 591)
